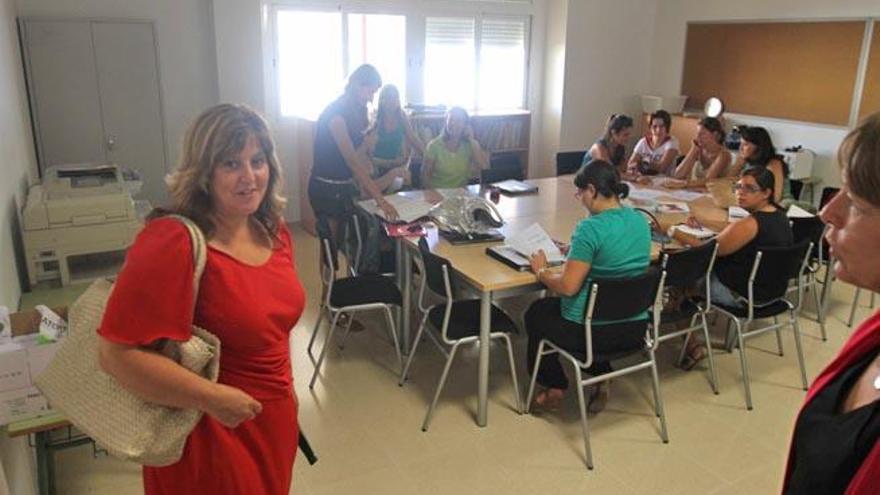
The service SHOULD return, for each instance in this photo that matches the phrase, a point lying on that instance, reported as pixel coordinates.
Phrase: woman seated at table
(738, 244)
(391, 141)
(756, 150)
(614, 241)
(454, 156)
(707, 159)
(611, 146)
(656, 152)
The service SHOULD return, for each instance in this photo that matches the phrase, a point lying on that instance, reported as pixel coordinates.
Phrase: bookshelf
(502, 133)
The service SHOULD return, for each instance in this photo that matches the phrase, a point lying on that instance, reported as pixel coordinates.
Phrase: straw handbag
(123, 423)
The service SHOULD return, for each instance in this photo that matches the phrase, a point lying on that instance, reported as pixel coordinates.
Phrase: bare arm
(599, 152)
(719, 165)
(479, 156)
(778, 170)
(158, 379)
(738, 165)
(568, 282)
(683, 171)
(730, 240)
(412, 138)
(359, 164)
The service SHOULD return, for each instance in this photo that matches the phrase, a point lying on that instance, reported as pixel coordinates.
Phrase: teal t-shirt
(616, 243)
(389, 143)
(451, 169)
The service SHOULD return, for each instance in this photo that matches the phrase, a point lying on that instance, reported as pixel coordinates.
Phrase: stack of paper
(698, 232)
(408, 209)
(528, 241)
(735, 213)
(672, 207)
(795, 211)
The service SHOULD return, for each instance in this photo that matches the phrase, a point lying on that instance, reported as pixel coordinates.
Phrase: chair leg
(712, 373)
(516, 395)
(324, 348)
(430, 412)
(797, 342)
(778, 335)
(852, 311)
(412, 352)
(341, 343)
(393, 330)
(585, 427)
(743, 362)
(730, 338)
(534, 377)
(820, 310)
(658, 399)
(321, 311)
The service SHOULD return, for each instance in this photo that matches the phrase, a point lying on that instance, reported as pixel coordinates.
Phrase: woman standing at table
(835, 447)
(756, 150)
(707, 159)
(341, 152)
(738, 244)
(614, 241)
(611, 147)
(656, 152)
(250, 297)
(454, 156)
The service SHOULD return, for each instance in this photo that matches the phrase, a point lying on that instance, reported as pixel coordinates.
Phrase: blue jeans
(721, 294)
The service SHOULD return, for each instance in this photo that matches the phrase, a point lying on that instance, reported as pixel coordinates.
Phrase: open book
(408, 209)
(532, 239)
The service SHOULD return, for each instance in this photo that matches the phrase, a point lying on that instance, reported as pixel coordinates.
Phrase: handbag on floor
(123, 423)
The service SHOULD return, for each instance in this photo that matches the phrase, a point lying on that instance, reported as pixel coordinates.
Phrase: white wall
(547, 129)
(187, 58)
(607, 65)
(667, 57)
(16, 143)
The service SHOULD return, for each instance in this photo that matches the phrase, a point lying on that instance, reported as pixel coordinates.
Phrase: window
(313, 65)
(455, 76)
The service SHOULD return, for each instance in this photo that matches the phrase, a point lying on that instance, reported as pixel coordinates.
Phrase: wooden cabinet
(504, 134)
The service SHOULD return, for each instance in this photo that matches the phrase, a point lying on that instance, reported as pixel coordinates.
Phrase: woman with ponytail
(613, 241)
(611, 146)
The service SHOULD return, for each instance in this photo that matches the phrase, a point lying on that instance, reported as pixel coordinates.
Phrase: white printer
(78, 210)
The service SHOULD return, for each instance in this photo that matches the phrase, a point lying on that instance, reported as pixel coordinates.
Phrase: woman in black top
(610, 147)
(341, 152)
(738, 244)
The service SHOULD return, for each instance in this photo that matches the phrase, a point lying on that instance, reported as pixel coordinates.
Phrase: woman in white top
(707, 158)
(656, 152)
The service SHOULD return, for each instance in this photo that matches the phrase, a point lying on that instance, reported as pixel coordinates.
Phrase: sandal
(693, 356)
(548, 400)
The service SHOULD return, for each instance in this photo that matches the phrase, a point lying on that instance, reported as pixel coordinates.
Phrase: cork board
(802, 71)
(871, 94)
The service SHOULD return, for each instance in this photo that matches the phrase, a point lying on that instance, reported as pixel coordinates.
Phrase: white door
(94, 87)
(125, 54)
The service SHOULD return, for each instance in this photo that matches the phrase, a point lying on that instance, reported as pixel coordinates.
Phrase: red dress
(252, 310)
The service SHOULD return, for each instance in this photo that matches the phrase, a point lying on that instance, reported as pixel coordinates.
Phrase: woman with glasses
(834, 448)
(613, 241)
(738, 244)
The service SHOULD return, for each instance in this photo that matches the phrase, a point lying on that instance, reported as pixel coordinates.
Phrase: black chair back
(828, 194)
(569, 162)
(810, 229)
(685, 267)
(777, 267)
(325, 235)
(502, 166)
(796, 188)
(621, 298)
(434, 270)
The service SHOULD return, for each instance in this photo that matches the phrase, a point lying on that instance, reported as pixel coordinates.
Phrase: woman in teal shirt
(614, 241)
(391, 140)
(454, 156)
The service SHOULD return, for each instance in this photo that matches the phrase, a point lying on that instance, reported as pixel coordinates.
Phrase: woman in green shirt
(614, 241)
(454, 156)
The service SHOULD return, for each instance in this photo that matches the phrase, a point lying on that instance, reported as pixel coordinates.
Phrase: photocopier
(78, 210)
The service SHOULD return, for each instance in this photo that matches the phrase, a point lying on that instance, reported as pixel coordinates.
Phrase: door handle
(111, 142)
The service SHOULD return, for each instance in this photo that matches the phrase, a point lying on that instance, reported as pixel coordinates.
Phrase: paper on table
(698, 232)
(795, 211)
(645, 193)
(735, 213)
(408, 209)
(530, 240)
(672, 207)
(685, 195)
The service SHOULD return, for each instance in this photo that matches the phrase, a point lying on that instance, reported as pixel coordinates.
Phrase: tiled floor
(366, 429)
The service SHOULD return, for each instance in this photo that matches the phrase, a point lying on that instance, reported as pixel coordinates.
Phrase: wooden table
(557, 210)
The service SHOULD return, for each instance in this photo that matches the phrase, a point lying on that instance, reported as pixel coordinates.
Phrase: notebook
(512, 258)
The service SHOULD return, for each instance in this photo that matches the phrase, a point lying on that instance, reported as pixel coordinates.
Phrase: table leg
(45, 464)
(483, 378)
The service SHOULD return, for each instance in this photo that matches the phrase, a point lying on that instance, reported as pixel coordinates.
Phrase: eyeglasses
(749, 188)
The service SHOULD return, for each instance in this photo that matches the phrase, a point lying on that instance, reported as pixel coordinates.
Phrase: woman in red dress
(835, 447)
(250, 297)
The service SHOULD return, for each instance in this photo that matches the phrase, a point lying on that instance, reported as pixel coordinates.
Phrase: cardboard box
(20, 361)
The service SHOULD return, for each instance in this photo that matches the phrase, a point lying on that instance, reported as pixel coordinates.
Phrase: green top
(616, 243)
(451, 169)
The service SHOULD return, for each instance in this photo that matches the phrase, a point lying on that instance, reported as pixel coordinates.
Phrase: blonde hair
(217, 135)
(859, 155)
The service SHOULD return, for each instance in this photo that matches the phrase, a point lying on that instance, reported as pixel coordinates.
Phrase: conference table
(557, 210)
